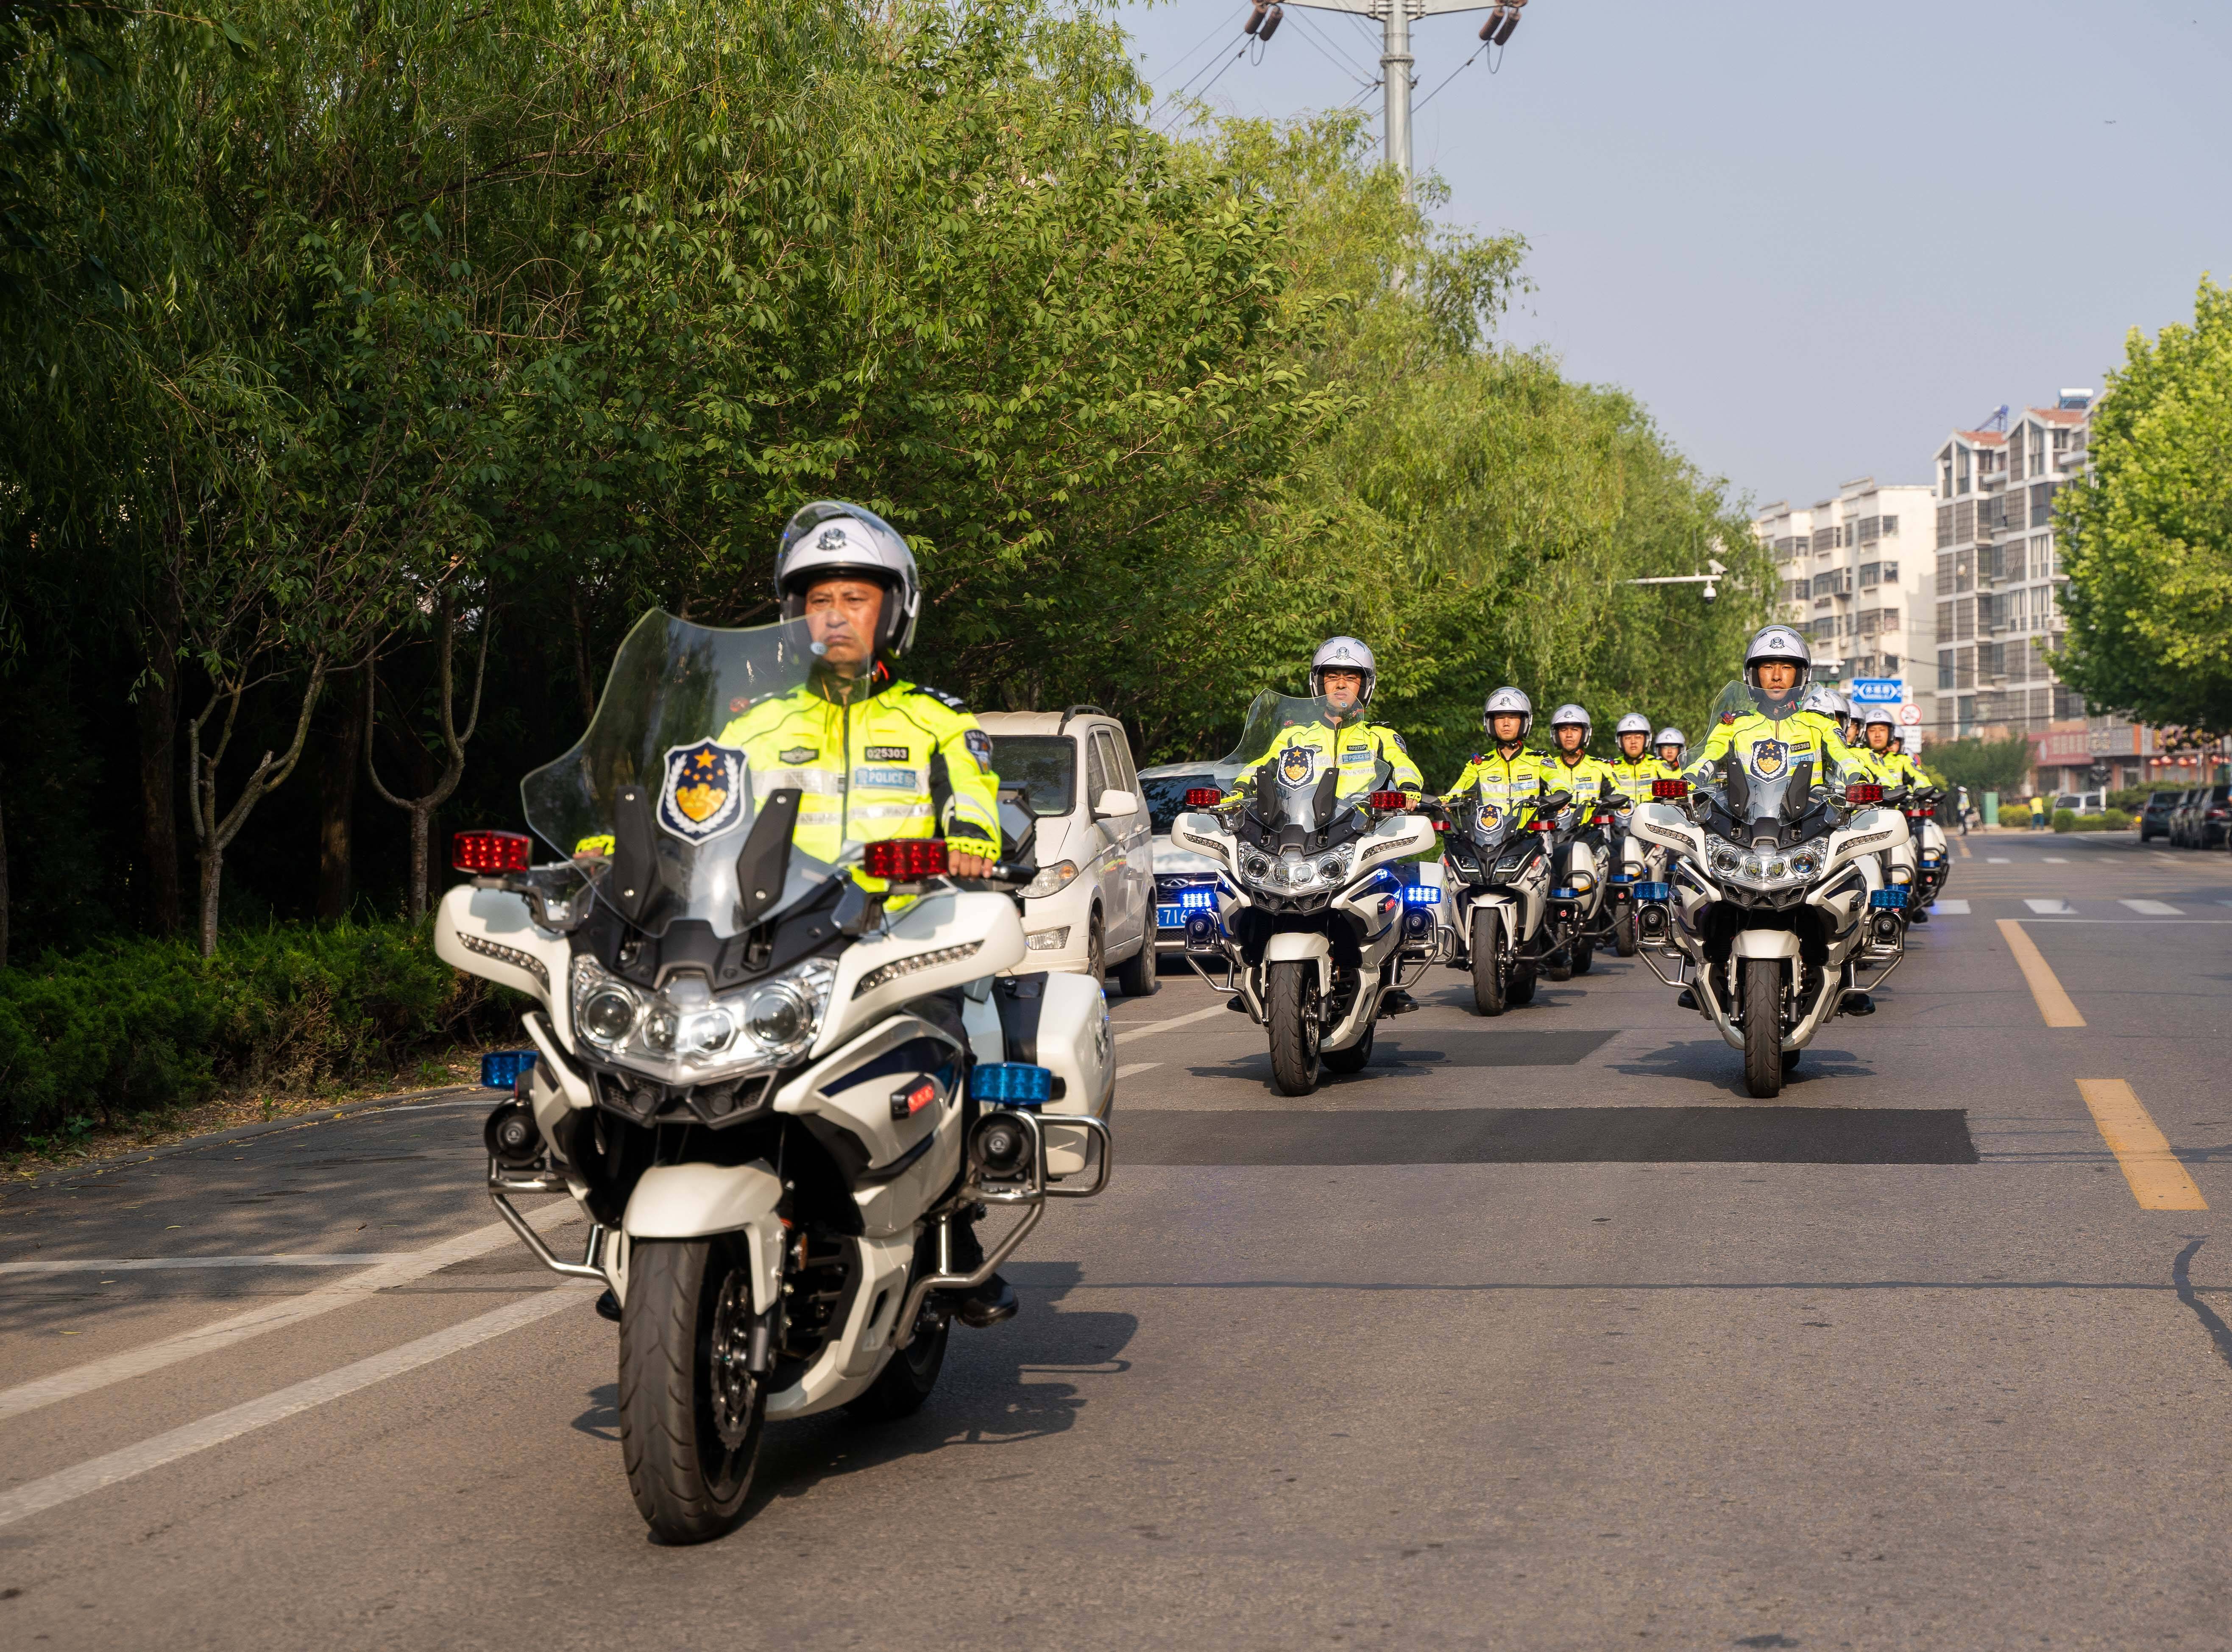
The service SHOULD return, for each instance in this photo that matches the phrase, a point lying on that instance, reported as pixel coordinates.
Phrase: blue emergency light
(1654, 891)
(1888, 900)
(1011, 1083)
(500, 1069)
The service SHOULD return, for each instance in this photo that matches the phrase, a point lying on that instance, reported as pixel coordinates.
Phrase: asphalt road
(1537, 1333)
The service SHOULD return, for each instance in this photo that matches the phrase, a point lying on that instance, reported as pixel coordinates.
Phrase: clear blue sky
(1813, 237)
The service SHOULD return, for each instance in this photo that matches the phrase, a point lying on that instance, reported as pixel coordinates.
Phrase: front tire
(1096, 953)
(1623, 931)
(1559, 965)
(1522, 984)
(1292, 995)
(1763, 1002)
(690, 1414)
(1584, 956)
(1491, 980)
(1135, 976)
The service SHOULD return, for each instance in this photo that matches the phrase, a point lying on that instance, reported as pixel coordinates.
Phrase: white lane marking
(2057, 860)
(1130, 1067)
(143, 1264)
(2154, 909)
(2054, 907)
(269, 1316)
(1997, 861)
(1164, 1026)
(1949, 909)
(35, 1497)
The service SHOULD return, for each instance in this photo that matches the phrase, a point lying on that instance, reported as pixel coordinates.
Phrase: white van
(1092, 907)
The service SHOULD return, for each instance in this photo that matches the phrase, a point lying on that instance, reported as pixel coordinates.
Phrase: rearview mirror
(1115, 802)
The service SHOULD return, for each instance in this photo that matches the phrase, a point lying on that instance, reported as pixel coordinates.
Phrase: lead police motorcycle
(1773, 915)
(775, 1094)
(1312, 929)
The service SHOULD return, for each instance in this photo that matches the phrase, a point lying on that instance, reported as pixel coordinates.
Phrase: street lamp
(1706, 580)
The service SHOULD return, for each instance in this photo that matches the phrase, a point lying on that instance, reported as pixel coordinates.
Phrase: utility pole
(1396, 64)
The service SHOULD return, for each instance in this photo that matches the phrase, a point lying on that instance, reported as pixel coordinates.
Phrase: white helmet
(829, 538)
(1507, 699)
(1882, 714)
(1570, 713)
(1669, 735)
(1344, 654)
(1826, 700)
(1633, 724)
(1778, 643)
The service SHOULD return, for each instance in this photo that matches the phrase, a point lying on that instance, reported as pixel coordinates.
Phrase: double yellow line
(2159, 1182)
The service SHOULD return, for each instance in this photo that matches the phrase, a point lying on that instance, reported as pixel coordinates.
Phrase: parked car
(1183, 880)
(2154, 819)
(2182, 813)
(2082, 802)
(2205, 814)
(1091, 909)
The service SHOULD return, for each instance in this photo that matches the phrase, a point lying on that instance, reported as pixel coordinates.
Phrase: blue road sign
(1878, 690)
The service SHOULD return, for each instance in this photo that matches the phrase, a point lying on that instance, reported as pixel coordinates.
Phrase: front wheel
(690, 1412)
(1490, 968)
(1585, 956)
(1762, 1007)
(1623, 931)
(1135, 976)
(1293, 1001)
(1559, 965)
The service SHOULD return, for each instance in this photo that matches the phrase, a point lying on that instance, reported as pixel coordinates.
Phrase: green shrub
(2065, 820)
(2091, 823)
(2116, 820)
(2015, 815)
(137, 1025)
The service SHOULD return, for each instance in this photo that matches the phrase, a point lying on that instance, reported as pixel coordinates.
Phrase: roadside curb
(238, 1133)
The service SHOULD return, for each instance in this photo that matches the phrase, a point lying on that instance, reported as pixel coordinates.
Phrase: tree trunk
(158, 714)
(581, 661)
(421, 818)
(421, 808)
(337, 811)
(3, 890)
(212, 878)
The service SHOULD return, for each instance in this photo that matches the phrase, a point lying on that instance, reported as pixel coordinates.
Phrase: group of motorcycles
(1775, 901)
(784, 1091)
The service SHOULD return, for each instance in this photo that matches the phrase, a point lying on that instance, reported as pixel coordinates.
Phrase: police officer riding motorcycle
(1500, 856)
(1634, 769)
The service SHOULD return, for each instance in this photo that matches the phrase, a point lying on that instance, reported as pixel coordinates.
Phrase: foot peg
(1856, 1002)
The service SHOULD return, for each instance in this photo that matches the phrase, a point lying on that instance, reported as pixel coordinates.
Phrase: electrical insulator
(1493, 18)
(1271, 22)
(1254, 18)
(1503, 31)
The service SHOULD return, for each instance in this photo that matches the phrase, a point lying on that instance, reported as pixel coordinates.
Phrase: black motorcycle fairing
(821, 923)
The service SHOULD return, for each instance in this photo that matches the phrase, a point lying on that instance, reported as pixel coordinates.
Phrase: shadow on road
(1710, 1061)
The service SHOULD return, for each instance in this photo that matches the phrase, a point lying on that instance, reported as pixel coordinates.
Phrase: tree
(2147, 536)
(1981, 765)
(454, 740)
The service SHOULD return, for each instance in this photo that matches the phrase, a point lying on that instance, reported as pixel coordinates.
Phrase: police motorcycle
(1595, 887)
(1501, 871)
(1931, 863)
(1311, 930)
(1774, 916)
(775, 1094)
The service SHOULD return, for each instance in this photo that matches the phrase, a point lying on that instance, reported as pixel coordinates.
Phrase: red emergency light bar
(1864, 793)
(490, 851)
(905, 860)
(1393, 802)
(1666, 791)
(1202, 797)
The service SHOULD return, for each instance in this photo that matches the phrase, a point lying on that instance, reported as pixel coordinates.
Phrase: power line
(1170, 100)
(1234, 22)
(1354, 68)
(1453, 73)
(1174, 104)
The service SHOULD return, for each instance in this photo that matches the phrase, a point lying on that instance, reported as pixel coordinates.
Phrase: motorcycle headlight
(1726, 859)
(1751, 866)
(1257, 868)
(1331, 868)
(686, 1035)
(605, 1016)
(1051, 880)
(1805, 861)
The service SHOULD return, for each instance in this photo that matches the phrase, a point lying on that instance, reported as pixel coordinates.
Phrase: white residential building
(1856, 577)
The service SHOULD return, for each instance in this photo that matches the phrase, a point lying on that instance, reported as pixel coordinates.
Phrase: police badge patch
(1297, 764)
(1769, 758)
(798, 754)
(704, 793)
(980, 746)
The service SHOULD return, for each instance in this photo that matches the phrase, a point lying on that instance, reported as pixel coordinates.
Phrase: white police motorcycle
(773, 1093)
(1774, 916)
(1313, 931)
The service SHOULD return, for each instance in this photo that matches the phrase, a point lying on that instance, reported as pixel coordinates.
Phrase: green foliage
(2148, 533)
(1981, 765)
(2065, 820)
(131, 1026)
(2015, 815)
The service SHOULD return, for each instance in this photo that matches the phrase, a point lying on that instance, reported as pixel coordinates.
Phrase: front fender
(1296, 946)
(698, 1200)
(1766, 943)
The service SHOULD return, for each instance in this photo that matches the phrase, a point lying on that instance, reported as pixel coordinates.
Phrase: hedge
(2015, 815)
(133, 1026)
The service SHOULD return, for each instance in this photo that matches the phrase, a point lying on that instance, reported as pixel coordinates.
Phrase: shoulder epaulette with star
(952, 703)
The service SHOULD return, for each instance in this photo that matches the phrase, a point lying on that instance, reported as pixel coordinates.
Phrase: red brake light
(1667, 789)
(1202, 797)
(905, 860)
(1392, 802)
(1864, 792)
(490, 851)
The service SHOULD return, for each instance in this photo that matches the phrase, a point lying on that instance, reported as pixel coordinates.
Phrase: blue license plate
(1169, 918)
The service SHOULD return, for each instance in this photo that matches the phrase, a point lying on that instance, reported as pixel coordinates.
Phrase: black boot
(1687, 1001)
(608, 1307)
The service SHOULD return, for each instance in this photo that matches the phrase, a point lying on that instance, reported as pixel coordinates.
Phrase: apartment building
(1997, 576)
(1857, 579)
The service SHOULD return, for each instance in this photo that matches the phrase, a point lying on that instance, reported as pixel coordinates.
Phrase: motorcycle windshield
(658, 801)
(1759, 780)
(1287, 750)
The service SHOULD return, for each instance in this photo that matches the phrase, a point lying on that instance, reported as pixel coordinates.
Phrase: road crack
(2181, 1275)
